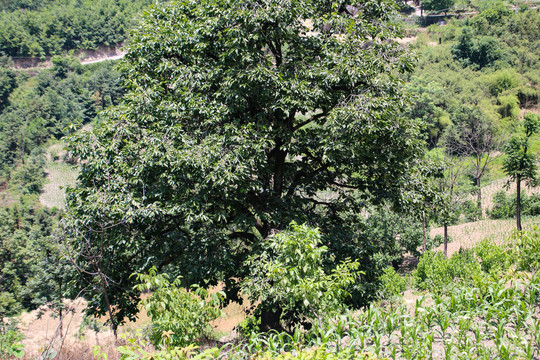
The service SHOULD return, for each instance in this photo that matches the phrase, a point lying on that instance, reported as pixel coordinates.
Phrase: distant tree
(428, 106)
(445, 203)
(479, 52)
(437, 5)
(520, 163)
(25, 242)
(7, 81)
(473, 135)
(52, 274)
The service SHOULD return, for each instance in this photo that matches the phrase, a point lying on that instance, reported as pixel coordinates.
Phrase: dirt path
(105, 58)
(85, 57)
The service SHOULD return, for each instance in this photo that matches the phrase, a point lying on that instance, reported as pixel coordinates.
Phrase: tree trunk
(61, 325)
(479, 194)
(108, 305)
(445, 227)
(279, 170)
(518, 203)
(270, 320)
(424, 228)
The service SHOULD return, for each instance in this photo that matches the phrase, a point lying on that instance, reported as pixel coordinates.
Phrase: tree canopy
(39, 28)
(241, 117)
(437, 5)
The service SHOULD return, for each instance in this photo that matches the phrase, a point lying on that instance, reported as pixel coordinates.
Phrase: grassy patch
(59, 175)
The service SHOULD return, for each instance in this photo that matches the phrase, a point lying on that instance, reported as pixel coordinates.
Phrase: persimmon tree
(241, 117)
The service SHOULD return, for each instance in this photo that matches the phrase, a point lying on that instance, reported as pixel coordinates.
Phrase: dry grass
(495, 186)
(78, 343)
(42, 333)
(467, 235)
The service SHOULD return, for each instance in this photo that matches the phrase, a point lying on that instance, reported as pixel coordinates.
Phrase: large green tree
(240, 117)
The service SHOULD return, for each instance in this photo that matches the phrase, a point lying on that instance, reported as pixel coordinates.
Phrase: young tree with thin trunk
(446, 202)
(474, 136)
(519, 163)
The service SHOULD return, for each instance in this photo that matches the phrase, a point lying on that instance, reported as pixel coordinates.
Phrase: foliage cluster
(504, 205)
(479, 51)
(32, 270)
(439, 274)
(493, 317)
(392, 284)
(10, 341)
(41, 28)
(289, 280)
(528, 250)
(41, 108)
(179, 317)
(436, 273)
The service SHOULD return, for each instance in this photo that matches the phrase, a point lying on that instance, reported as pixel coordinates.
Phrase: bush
(436, 273)
(502, 81)
(29, 177)
(508, 106)
(493, 258)
(436, 241)
(527, 249)
(477, 51)
(250, 326)
(392, 284)
(504, 206)
(179, 317)
(470, 211)
(290, 282)
(10, 341)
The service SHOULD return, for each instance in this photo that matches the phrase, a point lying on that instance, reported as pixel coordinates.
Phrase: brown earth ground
(42, 333)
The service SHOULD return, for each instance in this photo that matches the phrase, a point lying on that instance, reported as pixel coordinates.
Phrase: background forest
(366, 211)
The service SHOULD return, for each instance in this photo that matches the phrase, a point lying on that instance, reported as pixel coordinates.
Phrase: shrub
(503, 80)
(290, 282)
(392, 284)
(508, 106)
(470, 211)
(249, 326)
(436, 273)
(504, 206)
(528, 249)
(436, 241)
(10, 341)
(478, 52)
(179, 317)
(493, 258)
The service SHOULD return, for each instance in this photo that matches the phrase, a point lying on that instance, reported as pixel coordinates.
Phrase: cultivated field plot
(466, 235)
(59, 175)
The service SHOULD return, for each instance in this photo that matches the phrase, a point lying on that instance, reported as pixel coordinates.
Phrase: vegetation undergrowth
(486, 309)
